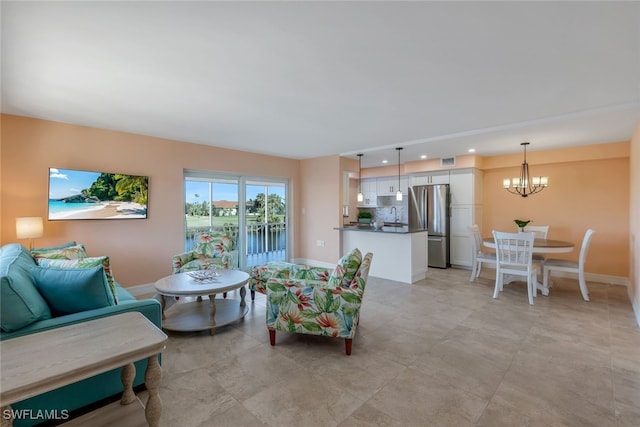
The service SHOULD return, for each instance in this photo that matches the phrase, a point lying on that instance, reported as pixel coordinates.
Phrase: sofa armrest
(181, 259)
(230, 259)
(150, 308)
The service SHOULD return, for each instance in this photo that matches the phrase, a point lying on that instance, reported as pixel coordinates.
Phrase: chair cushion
(87, 262)
(20, 302)
(346, 269)
(68, 251)
(73, 290)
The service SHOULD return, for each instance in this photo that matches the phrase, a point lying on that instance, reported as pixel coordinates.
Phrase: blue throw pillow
(20, 302)
(72, 290)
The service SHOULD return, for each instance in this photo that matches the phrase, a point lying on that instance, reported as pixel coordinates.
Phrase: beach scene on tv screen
(75, 194)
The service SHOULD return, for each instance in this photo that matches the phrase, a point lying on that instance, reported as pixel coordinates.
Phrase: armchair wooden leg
(272, 337)
(347, 345)
(224, 295)
(253, 295)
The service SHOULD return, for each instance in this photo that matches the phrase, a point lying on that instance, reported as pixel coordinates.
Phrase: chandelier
(525, 185)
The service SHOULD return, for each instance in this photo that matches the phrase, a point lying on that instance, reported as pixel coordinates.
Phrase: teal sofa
(20, 293)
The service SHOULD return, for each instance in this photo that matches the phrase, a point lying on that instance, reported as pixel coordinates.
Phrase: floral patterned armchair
(260, 274)
(327, 308)
(209, 249)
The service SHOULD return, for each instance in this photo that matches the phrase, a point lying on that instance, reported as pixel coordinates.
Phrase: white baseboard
(601, 278)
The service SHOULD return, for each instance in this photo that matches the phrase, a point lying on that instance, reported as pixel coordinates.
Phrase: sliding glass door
(253, 210)
(266, 221)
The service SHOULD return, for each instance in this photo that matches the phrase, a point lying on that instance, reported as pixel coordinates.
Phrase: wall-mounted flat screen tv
(77, 194)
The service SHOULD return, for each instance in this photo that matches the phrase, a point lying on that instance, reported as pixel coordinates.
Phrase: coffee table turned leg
(127, 375)
(212, 315)
(152, 381)
(243, 293)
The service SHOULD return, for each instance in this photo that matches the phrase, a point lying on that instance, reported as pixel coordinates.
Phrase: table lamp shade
(29, 227)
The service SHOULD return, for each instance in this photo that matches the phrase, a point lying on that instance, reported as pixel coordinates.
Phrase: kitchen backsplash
(386, 211)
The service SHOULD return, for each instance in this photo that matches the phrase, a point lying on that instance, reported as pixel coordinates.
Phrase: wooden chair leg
(253, 295)
(224, 295)
(272, 337)
(347, 345)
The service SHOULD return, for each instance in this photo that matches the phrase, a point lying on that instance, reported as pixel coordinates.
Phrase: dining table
(540, 246)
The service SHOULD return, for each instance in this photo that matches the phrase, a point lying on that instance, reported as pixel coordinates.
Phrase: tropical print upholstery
(76, 251)
(258, 275)
(346, 268)
(209, 249)
(317, 307)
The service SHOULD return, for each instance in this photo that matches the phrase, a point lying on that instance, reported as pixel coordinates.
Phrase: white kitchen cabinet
(466, 210)
(466, 187)
(460, 252)
(461, 244)
(388, 186)
(369, 193)
(440, 177)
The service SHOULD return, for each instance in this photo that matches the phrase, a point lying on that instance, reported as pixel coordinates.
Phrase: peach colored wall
(613, 150)
(582, 194)
(320, 208)
(634, 246)
(140, 250)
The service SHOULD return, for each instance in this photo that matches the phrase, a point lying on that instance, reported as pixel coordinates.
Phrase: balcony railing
(264, 242)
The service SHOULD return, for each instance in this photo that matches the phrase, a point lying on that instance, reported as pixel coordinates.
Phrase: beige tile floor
(440, 352)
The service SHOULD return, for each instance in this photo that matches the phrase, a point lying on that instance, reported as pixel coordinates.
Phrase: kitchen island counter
(399, 253)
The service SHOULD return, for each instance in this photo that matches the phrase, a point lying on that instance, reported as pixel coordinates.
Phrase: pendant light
(525, 185)
(360, 196)
(399, 192)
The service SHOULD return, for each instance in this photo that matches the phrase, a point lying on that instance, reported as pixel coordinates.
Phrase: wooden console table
(36, 363)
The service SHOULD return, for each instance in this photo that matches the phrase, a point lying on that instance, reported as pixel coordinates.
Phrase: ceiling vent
(447, 162)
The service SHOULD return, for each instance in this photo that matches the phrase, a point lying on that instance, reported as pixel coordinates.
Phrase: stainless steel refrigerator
(429, 210)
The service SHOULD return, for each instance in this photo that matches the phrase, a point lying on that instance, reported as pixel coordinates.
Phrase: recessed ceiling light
(472, 150)
(385, 161)
(424, 156)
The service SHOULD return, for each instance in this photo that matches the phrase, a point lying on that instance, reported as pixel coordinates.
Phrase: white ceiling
(308, 79)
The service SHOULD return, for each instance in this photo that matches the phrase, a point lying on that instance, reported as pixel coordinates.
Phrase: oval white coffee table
(198, 315)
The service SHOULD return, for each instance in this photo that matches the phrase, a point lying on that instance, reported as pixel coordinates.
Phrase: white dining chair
(479, 256)
(541, 232)
(513, 257)
(569, 266)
